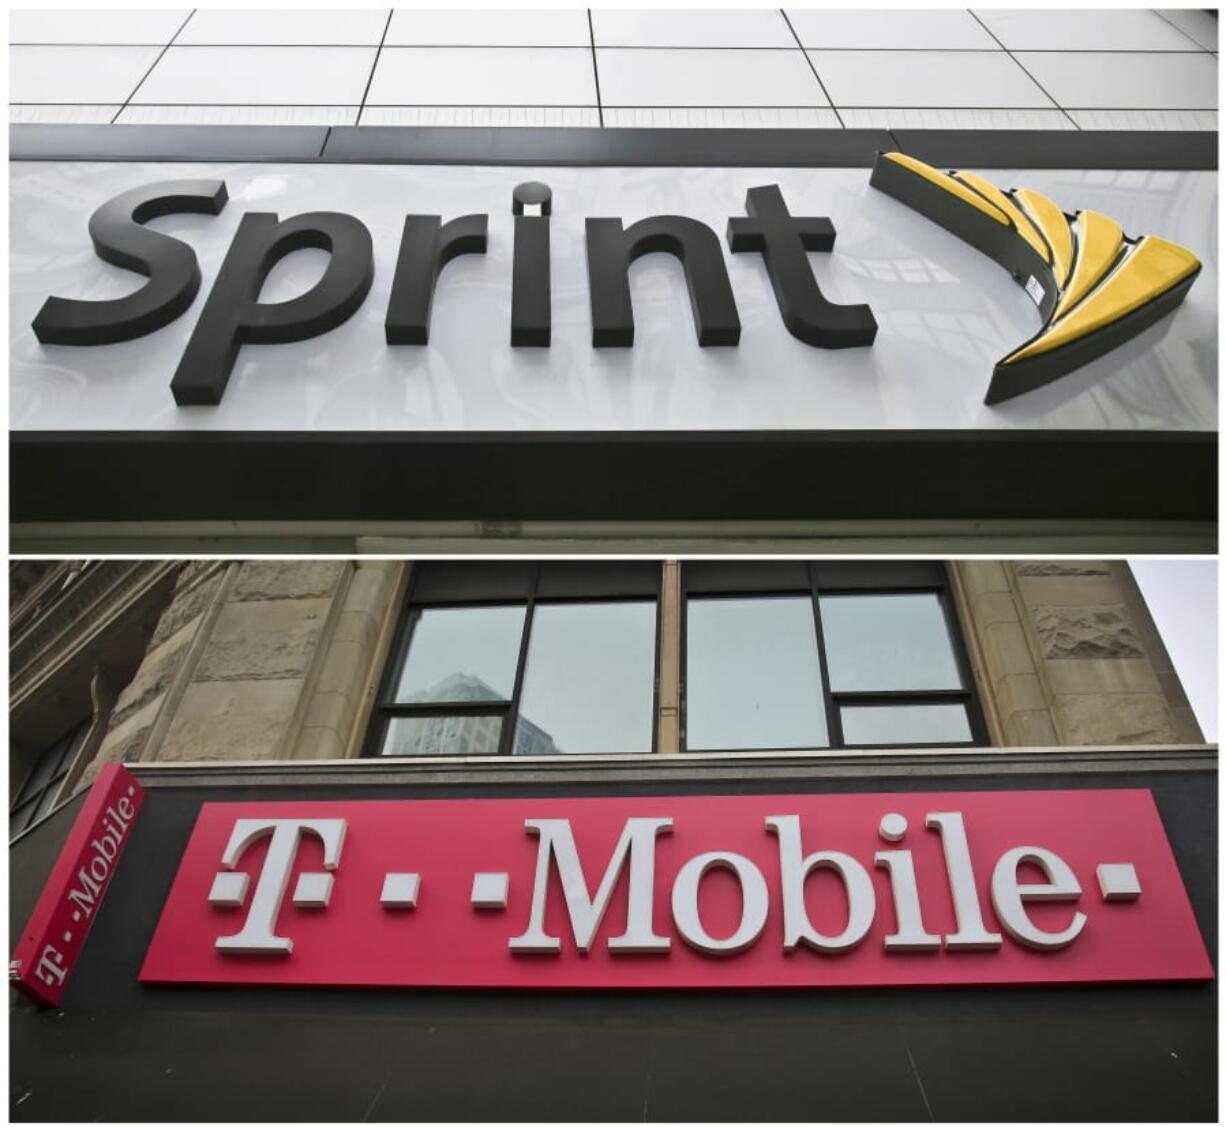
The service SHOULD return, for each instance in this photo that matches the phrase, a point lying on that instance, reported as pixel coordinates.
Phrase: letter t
(784, 241)
(257, 935)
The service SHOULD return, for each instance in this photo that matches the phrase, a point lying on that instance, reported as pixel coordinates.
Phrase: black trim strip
(783, 148)
(677, 148)
(1185, 151)
(601, 476)
(167, 142)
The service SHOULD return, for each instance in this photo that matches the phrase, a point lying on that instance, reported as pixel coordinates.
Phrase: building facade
(392, 835)
(657, 282)
(258, 681)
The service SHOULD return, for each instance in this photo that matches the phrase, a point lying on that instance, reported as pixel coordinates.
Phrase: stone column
(339, 700)
(1014, 701)
(1069, 655)
(146, 699)
(668, 722)
(1091, 629)
(245, 694)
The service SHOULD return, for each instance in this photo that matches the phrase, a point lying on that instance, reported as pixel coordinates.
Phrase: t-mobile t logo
(312, 890)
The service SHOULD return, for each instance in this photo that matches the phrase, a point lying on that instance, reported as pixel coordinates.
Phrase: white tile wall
(81, 75)
(1197, 25)
(290, 76)
(1069, 30)
(949, 79)
(498, 27)
(95, 26)
(237, 115)
(691, 27)
(63, 115)
(538, 117)
(687, 77)
(1126, 81)
(869, 28)
(723, 117)
(252, 27)
(1145, 119)
(483, 76)
(909, 117)
(695, 68)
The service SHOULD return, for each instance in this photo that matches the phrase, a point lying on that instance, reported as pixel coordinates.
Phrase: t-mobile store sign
(782, 890)
(48, 949)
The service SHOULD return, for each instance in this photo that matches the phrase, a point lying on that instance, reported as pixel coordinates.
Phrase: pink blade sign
(802, 890)
(52, 941)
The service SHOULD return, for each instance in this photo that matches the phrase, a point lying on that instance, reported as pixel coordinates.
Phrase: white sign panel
(945, 313)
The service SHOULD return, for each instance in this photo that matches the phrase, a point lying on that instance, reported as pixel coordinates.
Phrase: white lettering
(971, 934)
(1009, 896)
(85, 897)
(754, 902)
(795, 868)
(256, 936)
(899, 863)
(638, 842)
(51, 969)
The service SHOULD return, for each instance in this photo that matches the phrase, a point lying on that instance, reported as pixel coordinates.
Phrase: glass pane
(590, 679)
(44, 768)
(752, 675)
(71, 746)
(876, 643)
(21, 817)
(48, 799)
(905, 724)
(462, 654)
(442, 735)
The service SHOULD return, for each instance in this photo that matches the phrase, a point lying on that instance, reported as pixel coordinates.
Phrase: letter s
(120, 239)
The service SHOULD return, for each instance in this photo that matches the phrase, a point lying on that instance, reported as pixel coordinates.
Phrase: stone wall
(141, 702)
(258, 660)
(336, 705)
(250, 673)
(1067, 654)
(276, 660)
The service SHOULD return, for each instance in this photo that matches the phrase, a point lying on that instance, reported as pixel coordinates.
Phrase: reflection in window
(548, 675)
(590, 679)
(462, 654)
(547, 659)
(752, 675)
(824, 654)
(877, 643)
(866, 725)
(442, 735)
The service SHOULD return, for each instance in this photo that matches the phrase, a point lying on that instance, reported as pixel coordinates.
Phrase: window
(753, 675)
(38, 792)
(523, 659)
(800, 655)
(533, 659)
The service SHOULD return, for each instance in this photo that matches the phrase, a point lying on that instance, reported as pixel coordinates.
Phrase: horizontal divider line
(619, 475)
(627, 106)
(661, 47)
(642, 146)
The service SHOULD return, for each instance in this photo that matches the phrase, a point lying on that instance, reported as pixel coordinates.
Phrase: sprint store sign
(348, 297)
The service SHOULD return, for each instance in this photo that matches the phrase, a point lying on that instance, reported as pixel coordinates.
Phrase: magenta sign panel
(670, 892)
(52, 941)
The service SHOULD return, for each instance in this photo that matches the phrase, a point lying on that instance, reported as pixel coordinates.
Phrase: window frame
(68, 747)
(832, 579)
(386, 707)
